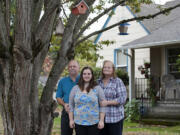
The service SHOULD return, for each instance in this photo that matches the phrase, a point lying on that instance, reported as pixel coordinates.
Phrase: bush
(120, 73)
(123, 75)
(132, 111)
(97, 72)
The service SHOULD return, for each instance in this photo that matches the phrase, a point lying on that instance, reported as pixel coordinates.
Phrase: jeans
(86, 130)
(112, 128)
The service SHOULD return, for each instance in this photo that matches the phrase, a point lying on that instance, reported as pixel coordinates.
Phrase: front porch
(163, 108)
(165, 76)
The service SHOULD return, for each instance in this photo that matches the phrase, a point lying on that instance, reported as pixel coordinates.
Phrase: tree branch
(129, 20)
(60, 62)
(37, 9)
(23, 25)
(45, 27)
(99, 16)
(4, 40)
(81, 20)
(7, 16)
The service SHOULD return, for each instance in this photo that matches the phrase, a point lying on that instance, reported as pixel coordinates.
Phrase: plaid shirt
(114, 90)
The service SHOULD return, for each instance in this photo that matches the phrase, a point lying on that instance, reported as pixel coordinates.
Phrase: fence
(142, 85)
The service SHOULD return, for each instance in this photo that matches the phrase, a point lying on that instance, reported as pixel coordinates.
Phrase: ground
(129, 128)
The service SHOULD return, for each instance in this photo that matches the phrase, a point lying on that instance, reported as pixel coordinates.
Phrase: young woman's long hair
(92, 82)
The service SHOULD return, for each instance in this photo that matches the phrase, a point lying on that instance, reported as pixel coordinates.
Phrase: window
(172, 56)
(121, 60)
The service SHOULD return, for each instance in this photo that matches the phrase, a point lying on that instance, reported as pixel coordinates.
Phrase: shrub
(123, 75)
(132, 111)
(120, 73)
(97, 72)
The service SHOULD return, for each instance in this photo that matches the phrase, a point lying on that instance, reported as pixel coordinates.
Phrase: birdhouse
(123, 28)
(59, 28)
(80, 8)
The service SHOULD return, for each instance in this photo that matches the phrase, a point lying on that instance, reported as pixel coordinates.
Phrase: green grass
(129, 129)
(151, 129)
(56, 126)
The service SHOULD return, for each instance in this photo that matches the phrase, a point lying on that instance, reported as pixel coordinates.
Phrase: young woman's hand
(101, 125)
(71, 124)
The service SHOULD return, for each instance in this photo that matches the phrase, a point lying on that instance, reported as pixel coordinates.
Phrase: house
(156, 41)
(163, 43)
(112, 52)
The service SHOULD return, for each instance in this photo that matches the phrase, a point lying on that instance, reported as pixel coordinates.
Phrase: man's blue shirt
(64, 88)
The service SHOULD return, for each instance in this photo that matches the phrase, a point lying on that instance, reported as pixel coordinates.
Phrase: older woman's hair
(114, 71)
(81, 82)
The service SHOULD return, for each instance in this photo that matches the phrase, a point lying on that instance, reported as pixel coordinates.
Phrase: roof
(82, 1)
(164, 29)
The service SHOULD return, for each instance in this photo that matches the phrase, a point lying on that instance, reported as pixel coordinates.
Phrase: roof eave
(150, 45)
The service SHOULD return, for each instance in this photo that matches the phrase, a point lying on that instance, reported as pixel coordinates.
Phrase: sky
(161, 2)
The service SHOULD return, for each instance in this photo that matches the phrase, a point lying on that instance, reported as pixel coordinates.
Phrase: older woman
(115, 93)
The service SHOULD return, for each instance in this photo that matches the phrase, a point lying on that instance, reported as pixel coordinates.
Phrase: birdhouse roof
(82, 1)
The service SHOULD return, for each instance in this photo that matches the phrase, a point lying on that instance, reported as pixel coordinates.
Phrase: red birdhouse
(80, 8)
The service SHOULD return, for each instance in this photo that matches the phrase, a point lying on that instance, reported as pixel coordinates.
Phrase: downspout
(131, 72)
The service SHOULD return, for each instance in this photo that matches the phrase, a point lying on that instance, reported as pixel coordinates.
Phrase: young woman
(86, 115)
(115, 93)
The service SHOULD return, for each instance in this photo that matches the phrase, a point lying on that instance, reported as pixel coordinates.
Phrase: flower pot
(147, 65)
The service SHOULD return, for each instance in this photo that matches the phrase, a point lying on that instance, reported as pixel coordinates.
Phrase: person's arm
(101, 120)
(59, 96)
(65, 105)
(101, 98)
(121, 94)
(71, 120)
(71, 106)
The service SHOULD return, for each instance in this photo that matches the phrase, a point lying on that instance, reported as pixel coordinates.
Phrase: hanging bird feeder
(59, 28)
(80, 8)
(123, 28)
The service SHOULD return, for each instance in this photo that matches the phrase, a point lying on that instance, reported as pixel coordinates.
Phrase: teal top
(64, 88)
(85, 106)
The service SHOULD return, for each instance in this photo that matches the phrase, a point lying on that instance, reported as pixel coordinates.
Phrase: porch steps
(163, 110)
(166, 122)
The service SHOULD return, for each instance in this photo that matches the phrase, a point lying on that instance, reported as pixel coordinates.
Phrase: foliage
(178, 62)
(47, 65)
(120, 73)
(132, 110)
(145, 69)
(82, 63)
(97, 72)
(40, 89)
(152, 91)
(123, 75)
(85, 53)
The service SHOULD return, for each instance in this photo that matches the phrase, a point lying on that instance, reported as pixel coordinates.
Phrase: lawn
(139, 129)
(135, 129)
(129, 129)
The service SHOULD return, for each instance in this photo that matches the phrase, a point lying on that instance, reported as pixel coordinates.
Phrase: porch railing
(142, 85)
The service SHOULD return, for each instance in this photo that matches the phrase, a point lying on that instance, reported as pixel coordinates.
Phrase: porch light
(123, 28)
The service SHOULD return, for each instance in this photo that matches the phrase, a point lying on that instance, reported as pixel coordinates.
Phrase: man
(64, 88)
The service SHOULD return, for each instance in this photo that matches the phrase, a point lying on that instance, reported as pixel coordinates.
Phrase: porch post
(132, 76)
